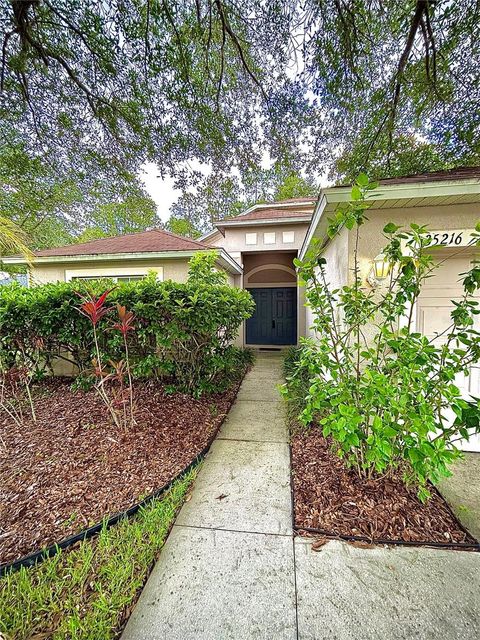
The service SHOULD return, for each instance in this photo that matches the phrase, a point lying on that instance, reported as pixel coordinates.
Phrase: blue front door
(275, 318)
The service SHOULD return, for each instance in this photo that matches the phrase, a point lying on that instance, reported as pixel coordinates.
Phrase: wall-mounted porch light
(380, 269)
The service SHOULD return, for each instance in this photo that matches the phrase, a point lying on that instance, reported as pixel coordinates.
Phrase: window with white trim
(114, 278)
(117, 274)
(269, 238)
(250, 238)
(288, 237)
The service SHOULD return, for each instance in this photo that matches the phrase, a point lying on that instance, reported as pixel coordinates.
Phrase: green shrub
(203, 270)
(297, 376)
(383, 398)
(183, 331)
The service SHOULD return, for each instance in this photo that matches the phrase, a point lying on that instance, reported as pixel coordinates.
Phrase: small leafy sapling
(379, 388)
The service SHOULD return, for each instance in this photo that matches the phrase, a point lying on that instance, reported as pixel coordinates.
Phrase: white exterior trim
(278, 205)
(317, 214)
(237, 222)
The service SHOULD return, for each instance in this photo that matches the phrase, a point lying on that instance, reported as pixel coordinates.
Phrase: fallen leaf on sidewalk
(318, 544)
(360, 544)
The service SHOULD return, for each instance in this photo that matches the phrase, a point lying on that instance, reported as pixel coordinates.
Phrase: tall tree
(135, 80)
(135, 212)
(295, 186)
(32, 197)
(383, 71)
(12, 239)
(218, 197)
(224, 197)
(182, 227)
(408, 155)
(52, 210)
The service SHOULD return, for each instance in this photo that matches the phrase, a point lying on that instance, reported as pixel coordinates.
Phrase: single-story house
(257, 248)
(123, 258)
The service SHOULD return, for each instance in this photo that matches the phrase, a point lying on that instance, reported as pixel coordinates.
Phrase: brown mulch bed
(73, 466)
(334, 499)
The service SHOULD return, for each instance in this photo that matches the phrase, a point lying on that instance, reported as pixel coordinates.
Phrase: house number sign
(451, 238)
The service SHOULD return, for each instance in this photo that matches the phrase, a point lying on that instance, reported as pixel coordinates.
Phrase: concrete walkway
(231, 569)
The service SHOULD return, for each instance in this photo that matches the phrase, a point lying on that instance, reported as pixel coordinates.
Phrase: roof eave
(279, 205)
(224, 258)
(433, 190)
(260, 221)
(409, 190)
(228, 262)
(94, 257)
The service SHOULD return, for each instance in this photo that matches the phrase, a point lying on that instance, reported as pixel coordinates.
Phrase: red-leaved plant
(124, 325)
(95, 309)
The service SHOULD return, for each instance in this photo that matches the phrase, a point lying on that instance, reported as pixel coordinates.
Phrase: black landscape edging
(39, 556)
(472, 546)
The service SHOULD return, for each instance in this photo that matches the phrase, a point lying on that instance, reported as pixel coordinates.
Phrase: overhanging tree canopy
(109, 85)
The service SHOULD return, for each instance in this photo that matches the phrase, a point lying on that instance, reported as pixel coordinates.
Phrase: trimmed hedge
(183, 332)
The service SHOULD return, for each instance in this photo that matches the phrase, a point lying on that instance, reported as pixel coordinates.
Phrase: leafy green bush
(298, 381)
(203, 270)
(384, 398)
(183, 331)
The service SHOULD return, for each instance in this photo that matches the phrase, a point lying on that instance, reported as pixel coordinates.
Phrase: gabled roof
(153, 241)
(291, 211)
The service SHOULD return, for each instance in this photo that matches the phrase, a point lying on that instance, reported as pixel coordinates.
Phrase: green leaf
(356, 193)
(362, 180)
(390, 228)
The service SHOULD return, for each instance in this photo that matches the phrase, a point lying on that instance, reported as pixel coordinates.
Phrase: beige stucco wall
(268, 269)
(251, 257)
(372, 241)
(336, 254)
(234, 240)
(175, 269)
(339, 252)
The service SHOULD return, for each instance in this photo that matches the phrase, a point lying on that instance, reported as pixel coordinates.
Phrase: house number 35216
(450, 238)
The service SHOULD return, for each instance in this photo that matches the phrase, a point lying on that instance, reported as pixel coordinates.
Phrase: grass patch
(87, 593)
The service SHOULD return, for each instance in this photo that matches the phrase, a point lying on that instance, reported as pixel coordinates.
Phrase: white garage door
(433, 315)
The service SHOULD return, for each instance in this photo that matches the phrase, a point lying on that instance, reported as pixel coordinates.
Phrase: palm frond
(13, 239)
